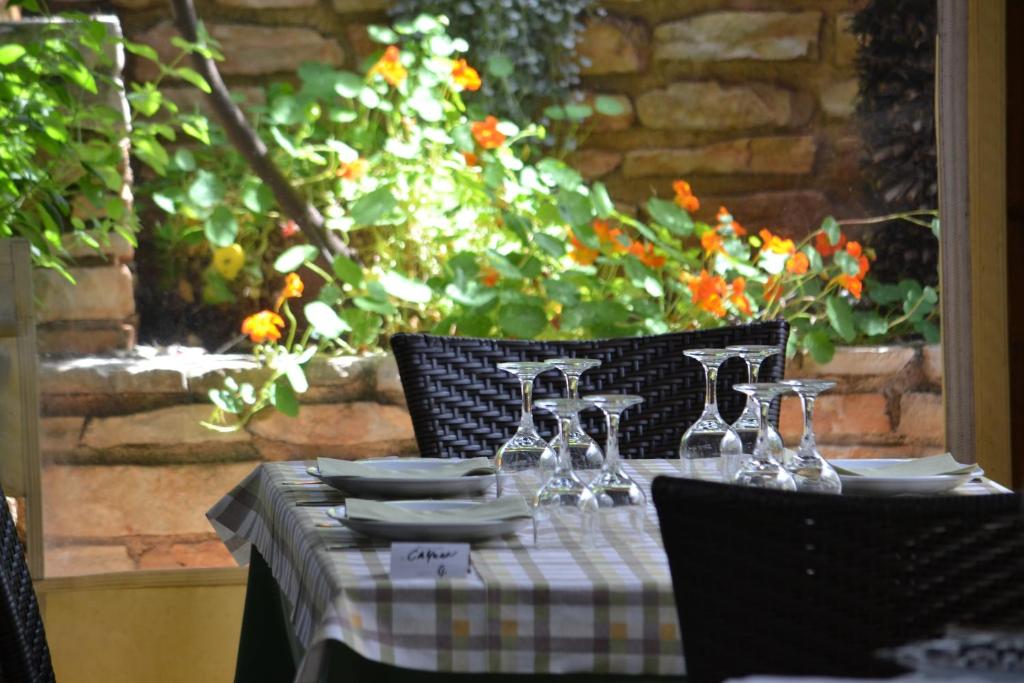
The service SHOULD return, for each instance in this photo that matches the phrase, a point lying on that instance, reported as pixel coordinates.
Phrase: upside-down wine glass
(584, 451)
(613, 488)
(703, 445)
(526, 448)
(749, 422)
(811, 471)
(760, 469)
(564, 489)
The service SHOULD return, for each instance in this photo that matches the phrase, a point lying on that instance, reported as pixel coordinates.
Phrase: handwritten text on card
(429, 560)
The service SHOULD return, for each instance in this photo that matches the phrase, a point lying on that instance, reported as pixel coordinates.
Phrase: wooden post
(20, 468)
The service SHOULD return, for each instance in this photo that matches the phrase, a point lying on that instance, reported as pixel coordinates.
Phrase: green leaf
(500, 66)
(883, 294)
(10, 53)
(191, 76)
(206, 191)
(935, 228)
(403, 288)
(221, 228)
(602, 201)
(144, 51)
(293, 258)
(184, 160)
(872, 324)
(929, 330)
(324, 320)
(813, 258)
(671, 216)
(282, 397)
(365, 326)
(348, 270)
(372, 207)
(374, 306)
(348, 84)
(585, 233)
(524, 321)
(382, 34)
(846, 262)
(831, 228)
(819, 345)
(578, 112)
(555, 172)
(562, 291)
(257, 198)
(164, 202)
(574, 208)
(609, 106)
(840, 316)
(553, 246)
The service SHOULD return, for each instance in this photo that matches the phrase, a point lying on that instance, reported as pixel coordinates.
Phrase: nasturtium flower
(487, 134)
(685, 198)
(389, 66)
(228, 261)
(852, 284)
(738, 297)
(470, 159)
(489, 276)
(726, 220)
(353, 170)
(292, 289)
(798, 263)
(711, 241)
(645, 253)
(465, 76)
(773, 288)
(606, 234)
(824, 248)
(581, 253)
(776, 244)
(289, 228)
(708, 292)
(263, 326)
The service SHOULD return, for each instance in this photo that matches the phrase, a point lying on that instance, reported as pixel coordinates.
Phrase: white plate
(413, 487)
(445, 532)
(894, 486)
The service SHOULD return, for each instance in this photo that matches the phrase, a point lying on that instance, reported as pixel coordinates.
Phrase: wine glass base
(566, 502)
(765, 476)
(705, 469)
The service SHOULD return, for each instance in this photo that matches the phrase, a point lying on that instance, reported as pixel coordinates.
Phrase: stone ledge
(864, 368)
(103, 293)
(710, 105)
(721, 36)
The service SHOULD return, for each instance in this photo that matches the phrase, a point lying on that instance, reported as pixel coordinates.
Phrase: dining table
(321, 604)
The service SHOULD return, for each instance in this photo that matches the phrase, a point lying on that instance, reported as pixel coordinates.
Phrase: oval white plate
(418, 486)
(445, 532)
(893, 486)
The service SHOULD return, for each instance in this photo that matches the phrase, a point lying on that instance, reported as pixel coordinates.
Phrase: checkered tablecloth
(555, 608)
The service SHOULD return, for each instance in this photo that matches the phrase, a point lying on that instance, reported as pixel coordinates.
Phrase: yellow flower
(228, 261)
(389, 67)
(292, 289)
(465, 76)
(263, 326)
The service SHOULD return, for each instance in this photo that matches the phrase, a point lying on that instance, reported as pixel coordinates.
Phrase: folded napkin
(436, 469)
(504, 508)
(918, 467)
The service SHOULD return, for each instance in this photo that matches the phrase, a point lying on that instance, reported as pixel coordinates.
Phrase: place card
(429, 560)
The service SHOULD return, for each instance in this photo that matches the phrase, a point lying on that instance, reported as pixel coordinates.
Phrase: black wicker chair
(24, 654)
(462, 405)
(807, 584)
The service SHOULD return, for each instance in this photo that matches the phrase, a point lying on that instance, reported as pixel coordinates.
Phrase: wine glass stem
(572, 384)
(753, 368)
(761, 447)
(807, 440)
(526, 421)
(564, 458)
(611, 461)
(711, 393)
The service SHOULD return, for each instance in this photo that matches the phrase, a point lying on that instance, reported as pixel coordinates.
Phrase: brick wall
(129, 471)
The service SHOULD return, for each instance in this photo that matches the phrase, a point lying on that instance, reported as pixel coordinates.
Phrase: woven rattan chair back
(24, 654)
(462, 405)
(807, 584)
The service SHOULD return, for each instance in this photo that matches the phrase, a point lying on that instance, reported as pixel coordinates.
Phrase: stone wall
(129, 472)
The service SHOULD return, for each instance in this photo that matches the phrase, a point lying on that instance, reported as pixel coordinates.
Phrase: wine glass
(585, 453)
(526, 448)
(614, 488)
(761, 469)
(811, 471)
(704, 444)
(564, 489)
(749, 422)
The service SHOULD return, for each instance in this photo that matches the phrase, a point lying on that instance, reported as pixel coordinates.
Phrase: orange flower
(606, 234)
(798, 263)
(487, 134)
(826, 249)
(488, 276)
(263, 326)
(725, 219)
(723, 215)
(854, 249)
(707, 291)
(389, 66)
(645, 254)
(580, 253)
(289, 228)
(292, 289)
(685, 198)
(465, 76)
(773, 288)
(852, 284)
(352, 171)
(471, 159)
(739, 298)
(711, 241)
(776, 244)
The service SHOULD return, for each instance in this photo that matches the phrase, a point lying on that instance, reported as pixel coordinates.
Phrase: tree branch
(248, 143)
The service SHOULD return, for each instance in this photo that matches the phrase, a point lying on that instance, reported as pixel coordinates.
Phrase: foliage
(62, 153)
(458, 228)
(526, 48)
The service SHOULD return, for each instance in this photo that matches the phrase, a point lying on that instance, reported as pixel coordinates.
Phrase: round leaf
(405, 289)
(324, 320)
(221, 228)
(293, 258)
(522, 320)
